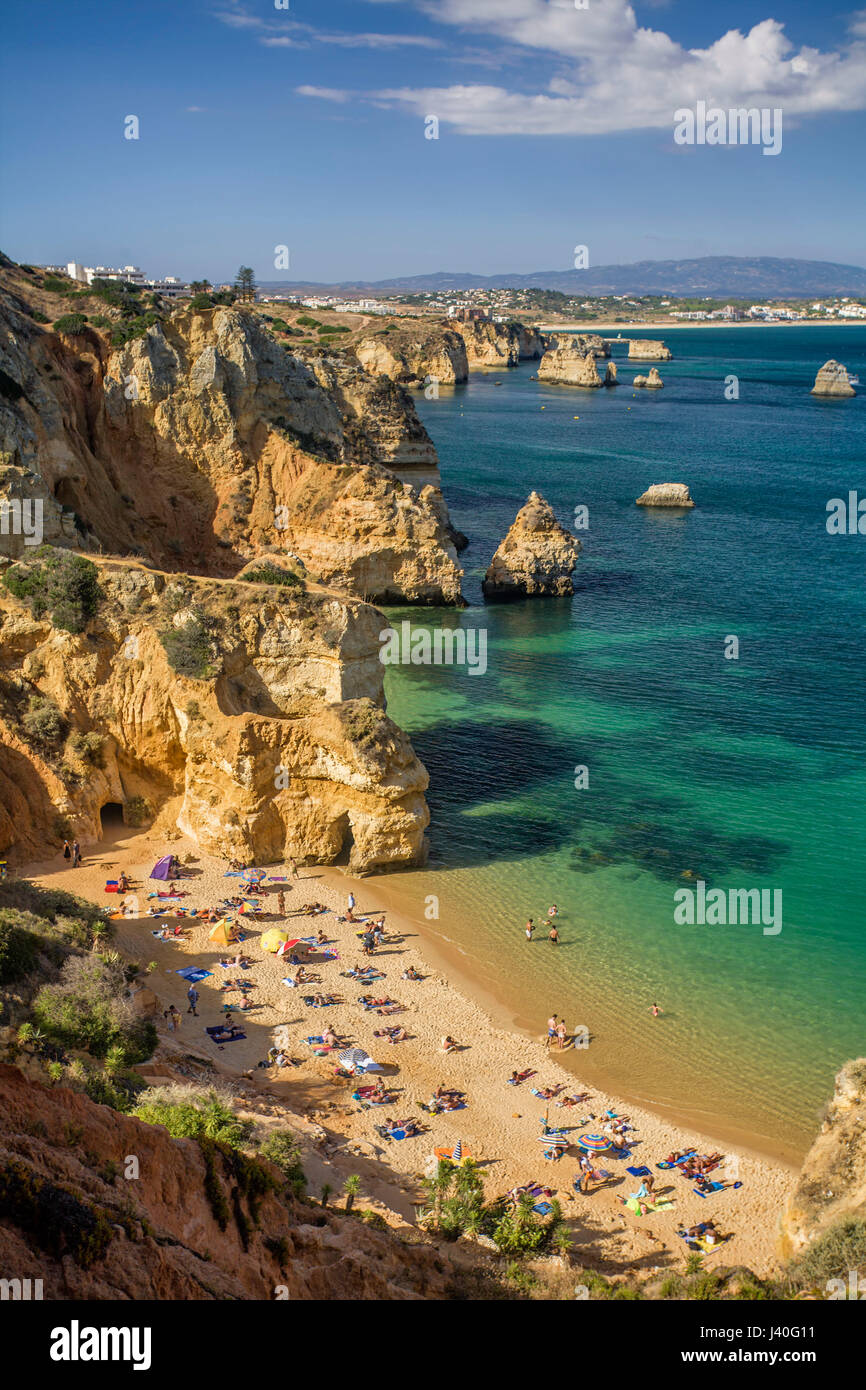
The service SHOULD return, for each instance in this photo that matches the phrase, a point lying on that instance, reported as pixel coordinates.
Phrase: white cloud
(608, 73)
(273, 34)
(323, 93)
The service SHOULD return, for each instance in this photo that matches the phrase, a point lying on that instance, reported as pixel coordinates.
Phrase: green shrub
(306, 322)
(59, 583)
(57, 1222)
(54, 285)
(90, 748)
(838, 1250)
(86, 1010)
(137, 811)
(205, 1116)
(39, 318)
(189, 650)
(271, 574)
(19, 948)
(200, 302)
(43, 723)
(281, 1148)
(71, 324)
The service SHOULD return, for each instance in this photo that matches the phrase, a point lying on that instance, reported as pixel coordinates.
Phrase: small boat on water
(853, 379)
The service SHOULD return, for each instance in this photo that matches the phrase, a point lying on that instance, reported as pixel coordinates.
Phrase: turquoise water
(748, 773)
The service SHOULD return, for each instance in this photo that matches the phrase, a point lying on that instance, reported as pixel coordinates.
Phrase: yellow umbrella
(273, 939)
(220, 932)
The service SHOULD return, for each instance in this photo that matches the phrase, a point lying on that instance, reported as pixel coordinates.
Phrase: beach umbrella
(457, 1152)
(273, 940)
(553, 1141)
(353, 1057)
(220, 932)
(594, 1143)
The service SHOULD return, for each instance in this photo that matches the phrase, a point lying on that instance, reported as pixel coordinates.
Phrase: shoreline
(500, 1123)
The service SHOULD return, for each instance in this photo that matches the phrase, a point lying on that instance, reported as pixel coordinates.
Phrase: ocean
(743, 772)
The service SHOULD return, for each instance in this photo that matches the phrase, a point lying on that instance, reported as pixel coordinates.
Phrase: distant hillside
(751, 277)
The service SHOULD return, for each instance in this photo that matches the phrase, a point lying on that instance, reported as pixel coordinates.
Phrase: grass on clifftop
(57, 582)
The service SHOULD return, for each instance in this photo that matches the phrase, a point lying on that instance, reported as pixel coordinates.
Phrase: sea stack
(536, 558)
(648, 350)
(666, 495)
(568, 366)
(610, 375)
(653, 382)
(832, 380)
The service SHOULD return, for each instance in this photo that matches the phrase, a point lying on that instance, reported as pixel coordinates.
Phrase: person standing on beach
(192, 996)
(76, 854)
(67, 852)
(530, 928)
(561, 1034)
(551, 1029)
(281, 903)
(350, 902)
(293, 869)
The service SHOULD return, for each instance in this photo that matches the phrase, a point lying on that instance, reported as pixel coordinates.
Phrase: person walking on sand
(530, 928)
(551, 1029)
(293, 868)
(67, 852)
(553, 935)
(76, 854)
(192, 996)
(172, 1018)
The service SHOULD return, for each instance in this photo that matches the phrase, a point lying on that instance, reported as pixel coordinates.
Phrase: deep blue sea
(745, 773)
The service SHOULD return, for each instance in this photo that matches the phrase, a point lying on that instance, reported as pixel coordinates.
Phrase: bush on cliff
(19, 948)
(43, 723)
(71, 324)
(59, 583)
(86, 1009)
(270, 574)
(188, 1114)
(189, 650)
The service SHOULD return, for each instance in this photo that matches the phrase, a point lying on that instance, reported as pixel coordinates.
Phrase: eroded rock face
(653, 382)
(415, 353)
(666, 495)
(491, 344)
(283, 747)
(832, 1183)
(159, 1237)
(188, 446)
(832, 380)
(537, 558)
(569, 366)
(648, 350)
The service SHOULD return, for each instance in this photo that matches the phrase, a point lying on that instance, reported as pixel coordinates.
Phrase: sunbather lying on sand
(569, 1101)
(393, 1035)
(517, 1077)
(548, 1092)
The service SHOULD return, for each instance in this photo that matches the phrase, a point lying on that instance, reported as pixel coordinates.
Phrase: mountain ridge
(736, 276)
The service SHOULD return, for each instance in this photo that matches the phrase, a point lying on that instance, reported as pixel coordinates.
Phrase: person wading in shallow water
(530, 928)
(551, 1029)
(553, 935)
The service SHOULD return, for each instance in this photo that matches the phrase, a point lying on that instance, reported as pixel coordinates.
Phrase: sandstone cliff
(648, 350)
(536, 558)
(491, 344)
(832, 380)
(414, 353)
(653, 382)
(191, 443)
(264, 734)
(191, 1226)
(666, 495)
(832, 1185)
(568, 366)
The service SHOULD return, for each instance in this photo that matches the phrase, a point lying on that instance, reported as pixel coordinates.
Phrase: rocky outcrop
(832, 1184)
(653, 382)
(610, 374)
(491, 344)
(536, 559)
(416, 353)
(832, 380)
(648, 350)
(568, 366)
(666, 495)
(188, 445)
(185, 1229)
(278, 744)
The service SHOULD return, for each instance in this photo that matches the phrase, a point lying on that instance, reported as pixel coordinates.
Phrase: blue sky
(262, 126)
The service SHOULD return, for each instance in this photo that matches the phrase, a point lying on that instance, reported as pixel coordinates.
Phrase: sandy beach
(595, 325)
(500, 1124)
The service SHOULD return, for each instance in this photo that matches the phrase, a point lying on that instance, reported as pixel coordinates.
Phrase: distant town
(501, 305)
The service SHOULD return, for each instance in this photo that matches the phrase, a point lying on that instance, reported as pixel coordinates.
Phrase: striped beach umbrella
(457, 1152)
(594, 1143)
(553, 1141)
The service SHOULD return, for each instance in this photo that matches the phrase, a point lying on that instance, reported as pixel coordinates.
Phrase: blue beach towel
(193, 975)
(638, 1172)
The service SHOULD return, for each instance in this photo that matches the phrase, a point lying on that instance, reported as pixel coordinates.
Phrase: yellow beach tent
(220, 932)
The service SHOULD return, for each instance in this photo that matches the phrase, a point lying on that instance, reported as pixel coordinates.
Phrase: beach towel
(665, 1164)
(220, 1042)
(713, 1187)
(543, 1208)
(639, 1172)
(289, 982)
(193, 975)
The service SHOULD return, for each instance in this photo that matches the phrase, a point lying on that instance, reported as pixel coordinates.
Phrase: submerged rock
(832, 380)
(536, 558)
(666, 495)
